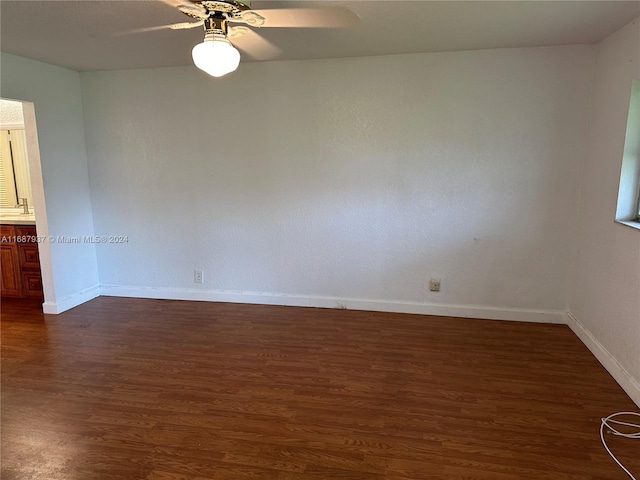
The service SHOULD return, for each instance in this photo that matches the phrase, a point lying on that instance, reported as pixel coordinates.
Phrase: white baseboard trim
(464, 311)
(71, 301)
(629, 384)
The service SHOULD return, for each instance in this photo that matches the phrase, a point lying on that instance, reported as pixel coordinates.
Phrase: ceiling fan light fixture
(216, 55)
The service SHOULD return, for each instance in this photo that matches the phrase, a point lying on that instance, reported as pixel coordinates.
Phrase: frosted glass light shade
(216, 56)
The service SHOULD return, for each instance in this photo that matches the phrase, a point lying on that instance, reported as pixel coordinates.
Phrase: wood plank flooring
(166, 390)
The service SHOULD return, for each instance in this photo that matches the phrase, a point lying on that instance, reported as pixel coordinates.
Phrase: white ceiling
(82, 35)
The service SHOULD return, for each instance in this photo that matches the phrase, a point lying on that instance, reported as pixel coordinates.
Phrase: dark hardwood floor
(166, 390)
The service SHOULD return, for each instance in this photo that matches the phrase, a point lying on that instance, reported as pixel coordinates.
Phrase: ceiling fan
(228, 22)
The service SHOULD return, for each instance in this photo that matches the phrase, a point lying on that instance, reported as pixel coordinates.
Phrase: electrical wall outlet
(434, 285)
(198, 276)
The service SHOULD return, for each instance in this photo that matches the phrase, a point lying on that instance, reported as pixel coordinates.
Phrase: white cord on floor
(609, 422)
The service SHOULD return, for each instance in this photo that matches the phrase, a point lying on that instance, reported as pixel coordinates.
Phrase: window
(14, 168)
(628, 208)
(638, 207)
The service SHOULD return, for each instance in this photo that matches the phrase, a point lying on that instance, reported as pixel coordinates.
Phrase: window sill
(629, 223)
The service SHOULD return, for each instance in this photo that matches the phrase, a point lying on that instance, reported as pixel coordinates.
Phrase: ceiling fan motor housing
(229, 8)
(216, 25)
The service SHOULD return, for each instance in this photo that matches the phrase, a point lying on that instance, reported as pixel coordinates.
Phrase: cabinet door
(32, 284)
(11, 284)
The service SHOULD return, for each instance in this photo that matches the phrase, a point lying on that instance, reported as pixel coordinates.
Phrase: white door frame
(39, 204)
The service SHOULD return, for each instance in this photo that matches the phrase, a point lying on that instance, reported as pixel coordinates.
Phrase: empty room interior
(310, 240)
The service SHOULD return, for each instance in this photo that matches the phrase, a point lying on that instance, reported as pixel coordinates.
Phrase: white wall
(606, 293)
(352, 178)
(56, 95)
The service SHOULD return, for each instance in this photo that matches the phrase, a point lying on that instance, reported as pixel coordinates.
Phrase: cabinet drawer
(25, 231)
(31, 284)
(28, 255)
(7, 232)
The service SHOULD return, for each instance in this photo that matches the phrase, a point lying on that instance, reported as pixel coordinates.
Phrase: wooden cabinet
(11, 282)
(20, 262)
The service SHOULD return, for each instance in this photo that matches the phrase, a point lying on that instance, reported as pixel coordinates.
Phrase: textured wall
(358, 178)
(56, 95)
(606, 291)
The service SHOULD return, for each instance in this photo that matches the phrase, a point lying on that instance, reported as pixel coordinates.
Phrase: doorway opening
(25, 255)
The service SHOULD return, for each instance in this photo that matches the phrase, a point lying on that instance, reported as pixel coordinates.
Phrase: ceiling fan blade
(173, 3)
(172, 26)
(324, 17)
(178, 3)
(253, 44)
(186, 25)
(141, 30)
(187, 7)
